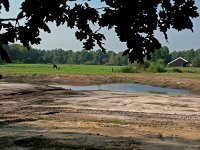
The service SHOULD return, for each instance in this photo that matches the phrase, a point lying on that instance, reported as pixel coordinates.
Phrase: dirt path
(42, 117)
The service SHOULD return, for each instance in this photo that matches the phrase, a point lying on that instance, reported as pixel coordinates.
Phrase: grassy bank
(180, 72)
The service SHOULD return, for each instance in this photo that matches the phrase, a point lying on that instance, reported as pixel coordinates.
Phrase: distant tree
(70, 57)
(98, 57)
(117, 60)
(124, 60)
(133, 21)
(162, 53)
(59, 56)
(76, 59)
(186, 54)
(85, 56)
(48, 57)
(196, 62)
(176, 54)
(40, 58)
(190, 54)
(198, 53)
(111, 60)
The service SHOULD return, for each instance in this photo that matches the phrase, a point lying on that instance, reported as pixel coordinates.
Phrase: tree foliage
(134, 22)
(19, 54)
(162, 53)
(196, 62)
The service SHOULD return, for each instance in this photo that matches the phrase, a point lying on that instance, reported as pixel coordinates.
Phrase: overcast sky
(64, 38)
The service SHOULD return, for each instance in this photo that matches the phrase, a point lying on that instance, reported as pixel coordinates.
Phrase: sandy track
(96, 119)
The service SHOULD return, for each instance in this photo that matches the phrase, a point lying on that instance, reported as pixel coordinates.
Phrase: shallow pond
(128, 88)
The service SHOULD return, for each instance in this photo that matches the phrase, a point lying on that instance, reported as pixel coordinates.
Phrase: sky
(64, 38)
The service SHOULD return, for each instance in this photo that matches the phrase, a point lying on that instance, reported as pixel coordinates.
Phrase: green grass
(64, 69)
(187, 72)
(184, 69)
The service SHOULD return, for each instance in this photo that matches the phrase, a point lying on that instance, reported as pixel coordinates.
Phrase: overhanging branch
(8, 19)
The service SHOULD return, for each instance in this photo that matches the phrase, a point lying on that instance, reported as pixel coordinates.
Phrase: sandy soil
(42, 117)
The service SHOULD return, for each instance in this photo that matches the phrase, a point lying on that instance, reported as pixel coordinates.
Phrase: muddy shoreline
(36, 116)
(162, 81)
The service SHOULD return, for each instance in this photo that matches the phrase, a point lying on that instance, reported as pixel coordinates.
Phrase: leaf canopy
(135, 22)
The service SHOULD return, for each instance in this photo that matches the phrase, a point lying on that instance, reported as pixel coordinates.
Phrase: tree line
(20, 54)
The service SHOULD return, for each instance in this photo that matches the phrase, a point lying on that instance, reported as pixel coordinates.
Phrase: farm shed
(178, 62)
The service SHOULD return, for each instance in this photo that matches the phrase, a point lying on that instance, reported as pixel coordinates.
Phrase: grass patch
(183, 69)
(91, 69)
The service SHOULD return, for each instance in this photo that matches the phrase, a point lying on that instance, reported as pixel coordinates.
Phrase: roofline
(177, 59)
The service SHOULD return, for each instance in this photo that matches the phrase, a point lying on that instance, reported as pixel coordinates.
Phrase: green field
(64, 69)
(193, 73)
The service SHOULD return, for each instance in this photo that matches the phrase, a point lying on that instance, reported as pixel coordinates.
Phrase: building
(179, 62)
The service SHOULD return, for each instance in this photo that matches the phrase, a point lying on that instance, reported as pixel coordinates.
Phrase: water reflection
(128, 88)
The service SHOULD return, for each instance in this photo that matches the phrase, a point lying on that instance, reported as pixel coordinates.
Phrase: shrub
(157, 68)
(146, 65)
(128, 69)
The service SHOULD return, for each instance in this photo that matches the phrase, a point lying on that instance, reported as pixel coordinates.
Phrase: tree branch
(97, 30)
(102, 7)
(8, 19)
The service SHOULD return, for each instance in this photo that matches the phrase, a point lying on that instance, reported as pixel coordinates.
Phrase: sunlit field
(180, 72)
(63, 69)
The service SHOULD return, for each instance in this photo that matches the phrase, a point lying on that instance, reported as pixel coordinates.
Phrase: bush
(157, 68)
(146, 65)
(128, 69)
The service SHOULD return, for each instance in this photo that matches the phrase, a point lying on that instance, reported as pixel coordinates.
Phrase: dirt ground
(37, 116)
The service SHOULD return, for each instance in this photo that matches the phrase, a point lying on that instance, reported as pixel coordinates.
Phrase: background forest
(20, 54)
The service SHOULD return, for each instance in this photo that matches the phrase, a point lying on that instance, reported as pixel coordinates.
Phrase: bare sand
(42, 117)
